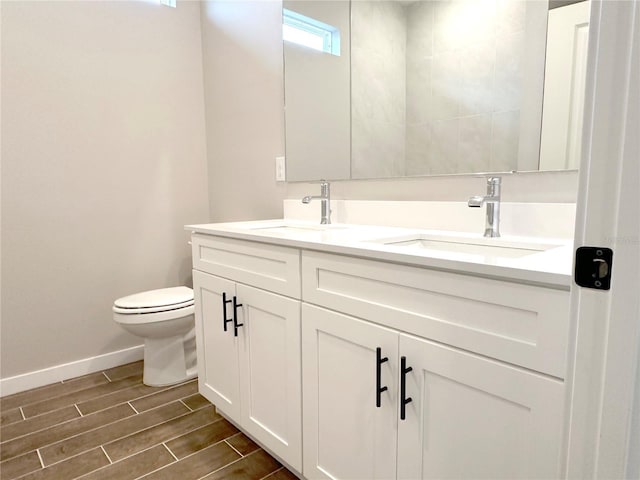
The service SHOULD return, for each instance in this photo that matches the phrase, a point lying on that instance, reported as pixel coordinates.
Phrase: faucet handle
(493, 187)
(325, 189)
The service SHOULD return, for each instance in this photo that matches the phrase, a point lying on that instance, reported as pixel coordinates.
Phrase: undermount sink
(487, 247)
(286, 228)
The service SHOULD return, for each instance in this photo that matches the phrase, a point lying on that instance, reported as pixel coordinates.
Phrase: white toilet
(165, 319)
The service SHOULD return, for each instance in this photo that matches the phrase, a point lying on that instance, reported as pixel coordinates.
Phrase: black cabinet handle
(403, 387)
(225, 320)
(235, 316)
(379, 388)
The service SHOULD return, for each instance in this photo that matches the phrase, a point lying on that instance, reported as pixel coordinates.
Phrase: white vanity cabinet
(470, 414)
(356, 368)
(249, 366)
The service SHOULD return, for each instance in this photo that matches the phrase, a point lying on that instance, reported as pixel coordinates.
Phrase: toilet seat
(155, 301)
(130, 318)
(143, 310)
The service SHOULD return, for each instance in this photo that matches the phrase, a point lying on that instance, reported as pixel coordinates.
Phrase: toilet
(164, 318)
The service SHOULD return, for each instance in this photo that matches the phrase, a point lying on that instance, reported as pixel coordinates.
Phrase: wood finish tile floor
(109, 425)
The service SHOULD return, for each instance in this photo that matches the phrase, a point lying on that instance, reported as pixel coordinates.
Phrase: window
(311, 33)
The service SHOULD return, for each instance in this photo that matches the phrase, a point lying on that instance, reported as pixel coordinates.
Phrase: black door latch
(593, 267)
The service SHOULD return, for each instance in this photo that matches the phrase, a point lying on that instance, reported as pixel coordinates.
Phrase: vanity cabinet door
(217, 349)
(346, 436)
(472, 417)
(270, 382)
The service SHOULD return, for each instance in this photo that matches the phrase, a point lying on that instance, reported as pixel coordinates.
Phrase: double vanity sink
(355, 351)
(546, 261)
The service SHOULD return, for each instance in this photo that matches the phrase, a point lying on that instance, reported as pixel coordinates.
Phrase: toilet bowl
(164, 318)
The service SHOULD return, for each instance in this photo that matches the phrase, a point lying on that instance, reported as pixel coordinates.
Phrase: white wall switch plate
(281, 175)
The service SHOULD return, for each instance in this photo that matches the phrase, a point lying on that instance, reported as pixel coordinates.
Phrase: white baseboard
(58, 373)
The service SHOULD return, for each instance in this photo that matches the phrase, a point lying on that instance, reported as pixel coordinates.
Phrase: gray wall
(318, 125)
(466, 75)
(242, 58)
(378, 84)
(103, 162)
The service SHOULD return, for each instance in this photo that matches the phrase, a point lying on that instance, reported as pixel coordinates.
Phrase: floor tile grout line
(168, 387)
(146, 474)
(134, 408)
(269, 474)
(62, 423)
(22, 413)
(130, 434)
(40, 458)
(200, 450)
(182, 401)
(232, 447)
(54, 424)
(153, 446)
(228, 464)
(163, 389)
(107, 377)
(107, 424)
(78, 409)
(120, 460)
(106, 455)
(62, 382)
(164, 444)
(73, 394)
(72, 436)
(168, 439)
(71, 457)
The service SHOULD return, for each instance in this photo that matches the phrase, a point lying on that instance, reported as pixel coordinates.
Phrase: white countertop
(523, 259)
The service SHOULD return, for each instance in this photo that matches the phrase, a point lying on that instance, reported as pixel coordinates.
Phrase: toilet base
(164, 362)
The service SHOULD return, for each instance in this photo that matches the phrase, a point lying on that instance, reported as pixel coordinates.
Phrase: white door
(564, 83)
(270, 371)
(346, 436)
(471, 417)
(218, 372)
(604, 417)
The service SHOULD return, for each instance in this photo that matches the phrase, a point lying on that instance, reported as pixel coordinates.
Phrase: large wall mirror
(394, 88)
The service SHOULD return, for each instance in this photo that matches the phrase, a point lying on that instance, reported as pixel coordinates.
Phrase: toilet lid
(155, 300)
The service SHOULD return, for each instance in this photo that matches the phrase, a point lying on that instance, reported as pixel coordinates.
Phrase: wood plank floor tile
(70, 398)
(252, 467)
(282, 474)
(166, 396)
(18, 446)
(197, 465)
(133, 467)
(71, 468)
(131, 444)
(51, 391)
(123, 371)
(79, 426)
(19, 466)
(121, 396)
(10, 416)
(39, 422)
(194, 402)
(201, 438)
(72, 446)
(242, 444)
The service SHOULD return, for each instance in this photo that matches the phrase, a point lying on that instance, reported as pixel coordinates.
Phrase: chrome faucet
(325, 202)
(492, 199)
